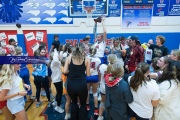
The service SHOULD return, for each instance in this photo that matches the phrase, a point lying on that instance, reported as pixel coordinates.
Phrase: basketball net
(89, 11)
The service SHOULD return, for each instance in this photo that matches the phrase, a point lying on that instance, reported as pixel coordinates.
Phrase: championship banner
(161, 7)
(174, 8)
(136, 16)
(33, 38)
(5, 35)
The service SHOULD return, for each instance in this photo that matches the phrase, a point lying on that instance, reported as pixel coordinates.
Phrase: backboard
(79, 8)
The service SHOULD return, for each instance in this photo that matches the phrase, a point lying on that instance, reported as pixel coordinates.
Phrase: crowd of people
(134, 81)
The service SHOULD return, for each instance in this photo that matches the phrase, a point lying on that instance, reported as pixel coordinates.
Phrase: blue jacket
(118, 97)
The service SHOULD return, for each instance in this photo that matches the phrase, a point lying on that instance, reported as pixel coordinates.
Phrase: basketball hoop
(89, 11)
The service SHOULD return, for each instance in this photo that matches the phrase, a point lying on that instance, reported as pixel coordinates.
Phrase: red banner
(5, 35)
(33, 38)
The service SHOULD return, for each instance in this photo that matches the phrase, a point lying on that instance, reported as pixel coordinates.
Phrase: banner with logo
(136, 16)
(161, 7)
(33, 38)
(174, 8)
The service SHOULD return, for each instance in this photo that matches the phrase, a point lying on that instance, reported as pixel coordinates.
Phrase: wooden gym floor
(44, 113)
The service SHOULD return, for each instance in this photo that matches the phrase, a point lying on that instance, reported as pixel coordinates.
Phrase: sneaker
(31, 97)
(99, 97)
(96, 112)
(49, 104)
(38, 104)
(67, 116)
(59, 109)
(88, 107)
(43, 93)
(100, 118)
(54, 103)
(51, 96)
(0, 111)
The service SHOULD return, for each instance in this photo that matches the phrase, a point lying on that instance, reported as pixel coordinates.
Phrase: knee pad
(102, 105)
(95, 94)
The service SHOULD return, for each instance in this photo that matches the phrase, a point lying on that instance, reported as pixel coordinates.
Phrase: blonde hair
(78, 52)
(176, 53)
(116, 70)
(6, 73)
(18, 50)
(112, 58)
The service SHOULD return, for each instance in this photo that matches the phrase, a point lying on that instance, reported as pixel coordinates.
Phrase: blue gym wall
(172, 39)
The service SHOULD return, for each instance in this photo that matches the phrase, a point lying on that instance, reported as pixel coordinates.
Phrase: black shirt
(56, 44)
(158, 51)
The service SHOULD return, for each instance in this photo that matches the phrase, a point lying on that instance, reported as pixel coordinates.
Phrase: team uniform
(95, 62)
(102, 70)
(100, 47)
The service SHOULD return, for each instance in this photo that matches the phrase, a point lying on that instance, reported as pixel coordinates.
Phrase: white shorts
(16, 106)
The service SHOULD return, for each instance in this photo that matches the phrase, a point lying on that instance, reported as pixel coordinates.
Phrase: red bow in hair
(110, 80)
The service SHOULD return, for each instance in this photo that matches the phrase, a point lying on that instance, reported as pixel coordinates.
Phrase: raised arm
(104, 30)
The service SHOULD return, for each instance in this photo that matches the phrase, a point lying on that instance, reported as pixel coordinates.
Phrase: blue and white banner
(161, 7)
(22, 60)
(114, 8)
(34, 12)
(174, 8)
(134, 16)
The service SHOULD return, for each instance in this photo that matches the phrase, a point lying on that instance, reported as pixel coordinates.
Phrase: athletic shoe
(68, 116)
(38, 104)
(99, 97)
(100, 118)
(49, 104)
(96, 112)
(59, 109)
(88, 107)
(51, 96)
(54, 103)
(43, 93)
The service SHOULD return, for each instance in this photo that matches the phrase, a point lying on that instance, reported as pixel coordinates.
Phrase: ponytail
(139, 77)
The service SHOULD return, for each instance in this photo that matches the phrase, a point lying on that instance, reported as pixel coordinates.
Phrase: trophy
(98, 19)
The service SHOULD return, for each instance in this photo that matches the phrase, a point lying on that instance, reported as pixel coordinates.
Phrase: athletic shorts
(16, 106)
(3, 104)
(92, 79)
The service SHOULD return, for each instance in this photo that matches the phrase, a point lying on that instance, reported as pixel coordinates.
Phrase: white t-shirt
(142, 105)
(100, 47)
(17, 86)
(102, 70)
(95, 62)
(5, 86)
(148, 54)
(56, 72)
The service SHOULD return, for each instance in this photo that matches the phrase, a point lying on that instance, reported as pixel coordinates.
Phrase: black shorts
(131, 113)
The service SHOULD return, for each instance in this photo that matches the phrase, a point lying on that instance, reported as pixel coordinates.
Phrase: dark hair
(169, 73)
(11, 40)
(154, 63)
(92, 51)
(70, 48)
(42, 45)
(122, 38)
(60, 47)
(56, 36)
(66, 46)
(37, 52)
(138, 78)
(178, 70)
